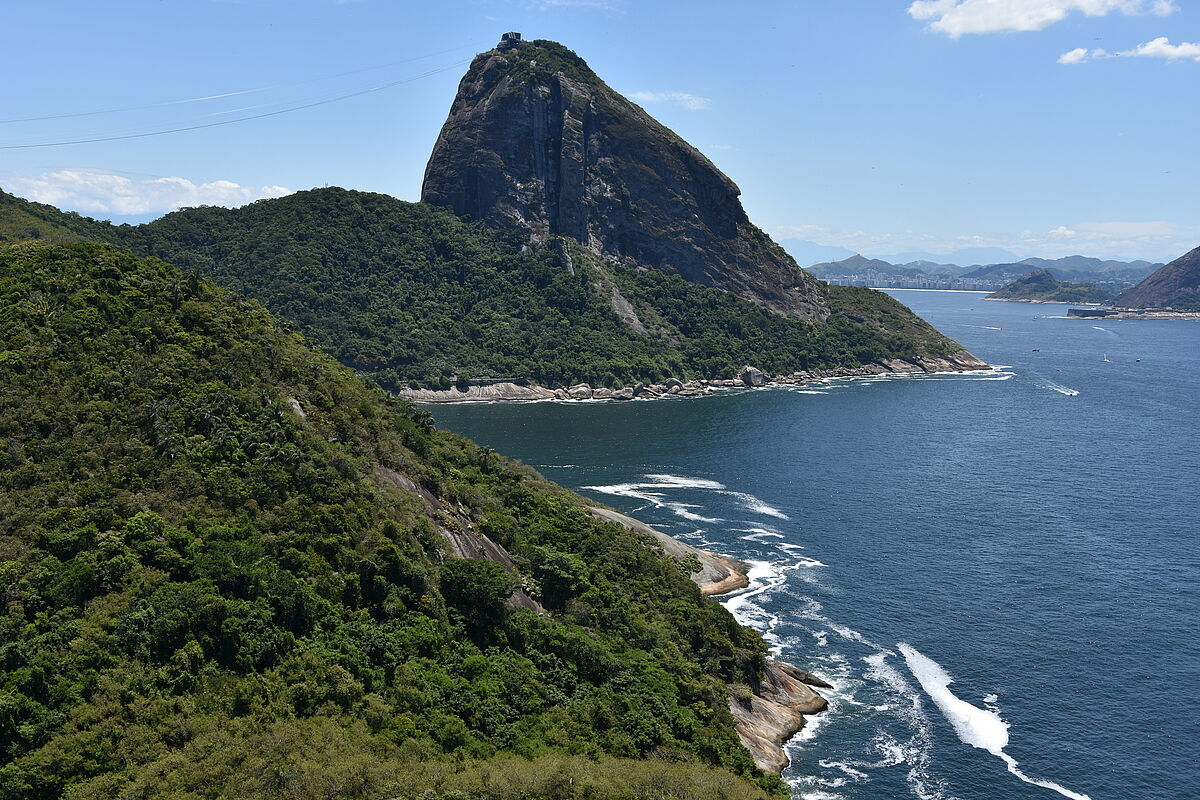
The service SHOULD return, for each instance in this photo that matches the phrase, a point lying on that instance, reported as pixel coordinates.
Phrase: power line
(288, 110)
(235, 93)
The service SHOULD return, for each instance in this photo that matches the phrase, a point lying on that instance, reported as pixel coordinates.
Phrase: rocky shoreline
(748, 376)
(768, 714)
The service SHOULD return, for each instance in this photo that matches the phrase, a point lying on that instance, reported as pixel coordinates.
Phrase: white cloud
(97, 191)
(1155, 48)
(1076, 56)
(682, 99)
(1117, 239)
(1162, 48)
(599, 5)
(957, 17)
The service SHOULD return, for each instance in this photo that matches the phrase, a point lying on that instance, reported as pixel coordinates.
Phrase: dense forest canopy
(223, 576)
(410, 294)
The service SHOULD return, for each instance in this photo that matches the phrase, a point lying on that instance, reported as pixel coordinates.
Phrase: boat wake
(867, 688)
(976, 726)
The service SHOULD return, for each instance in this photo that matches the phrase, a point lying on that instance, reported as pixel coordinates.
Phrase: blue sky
(1044, 127)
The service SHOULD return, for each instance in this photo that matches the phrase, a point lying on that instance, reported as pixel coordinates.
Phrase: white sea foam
(763, 576)
(759, 536)
(752, 503)
(917, 751)
(681, 509)
(976, 726)
(682, 482)
(856, 774)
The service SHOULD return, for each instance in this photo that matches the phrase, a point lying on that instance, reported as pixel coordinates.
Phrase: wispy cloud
(1155, 48)
(1150, 240)
(598, 5)
(957, 17)
(97, 191)
(682, 99)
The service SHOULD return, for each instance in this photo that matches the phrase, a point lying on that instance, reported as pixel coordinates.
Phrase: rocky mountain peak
(535, 139)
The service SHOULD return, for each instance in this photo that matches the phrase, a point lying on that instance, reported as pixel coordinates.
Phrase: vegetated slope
(537, 141)
(1042, 286)
(224, 568)
(859, 264)
(411, 294)
(1174, 285)
(23, 219)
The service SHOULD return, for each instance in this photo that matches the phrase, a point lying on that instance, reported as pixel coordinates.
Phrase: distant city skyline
(1033, 127)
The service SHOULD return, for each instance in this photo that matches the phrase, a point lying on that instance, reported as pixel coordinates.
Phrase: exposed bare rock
(296, 408)
(752, 376)
(536, 140)
(485, 393)
(463, 540)
(774, 712)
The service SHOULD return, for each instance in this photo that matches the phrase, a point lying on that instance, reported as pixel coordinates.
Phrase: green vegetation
(1042, 286)
(22, 219)
(545, 57)
(216, 584)
(410, 294)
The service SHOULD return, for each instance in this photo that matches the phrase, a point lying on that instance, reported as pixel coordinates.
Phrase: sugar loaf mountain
(565, 237)
(234, 563)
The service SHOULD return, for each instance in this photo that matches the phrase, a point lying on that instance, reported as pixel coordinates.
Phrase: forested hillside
(411, 294)
(224, 569)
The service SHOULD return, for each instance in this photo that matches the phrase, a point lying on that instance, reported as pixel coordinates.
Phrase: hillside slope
(1174, 285)
(1040, 286)
(411, 294)
(229, 569)
(22, 219)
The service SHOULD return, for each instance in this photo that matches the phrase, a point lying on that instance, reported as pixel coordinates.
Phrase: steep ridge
(1174, 285)
(230, 568)
(536, 140)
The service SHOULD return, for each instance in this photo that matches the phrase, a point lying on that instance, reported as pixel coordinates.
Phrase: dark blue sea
(999, 572)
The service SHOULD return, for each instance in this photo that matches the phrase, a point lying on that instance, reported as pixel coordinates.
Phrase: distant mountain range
(1111, 276)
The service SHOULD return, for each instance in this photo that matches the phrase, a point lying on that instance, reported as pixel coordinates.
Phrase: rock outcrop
(536, 140)
(769, 714)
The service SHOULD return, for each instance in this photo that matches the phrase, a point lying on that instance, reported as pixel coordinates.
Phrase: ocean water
(998, 573)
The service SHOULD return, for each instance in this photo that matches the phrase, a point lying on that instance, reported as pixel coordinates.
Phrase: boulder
(752, 376)
(580, 391)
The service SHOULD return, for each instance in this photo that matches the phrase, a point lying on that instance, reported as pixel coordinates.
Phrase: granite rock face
(775, 712)
(536, 140)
